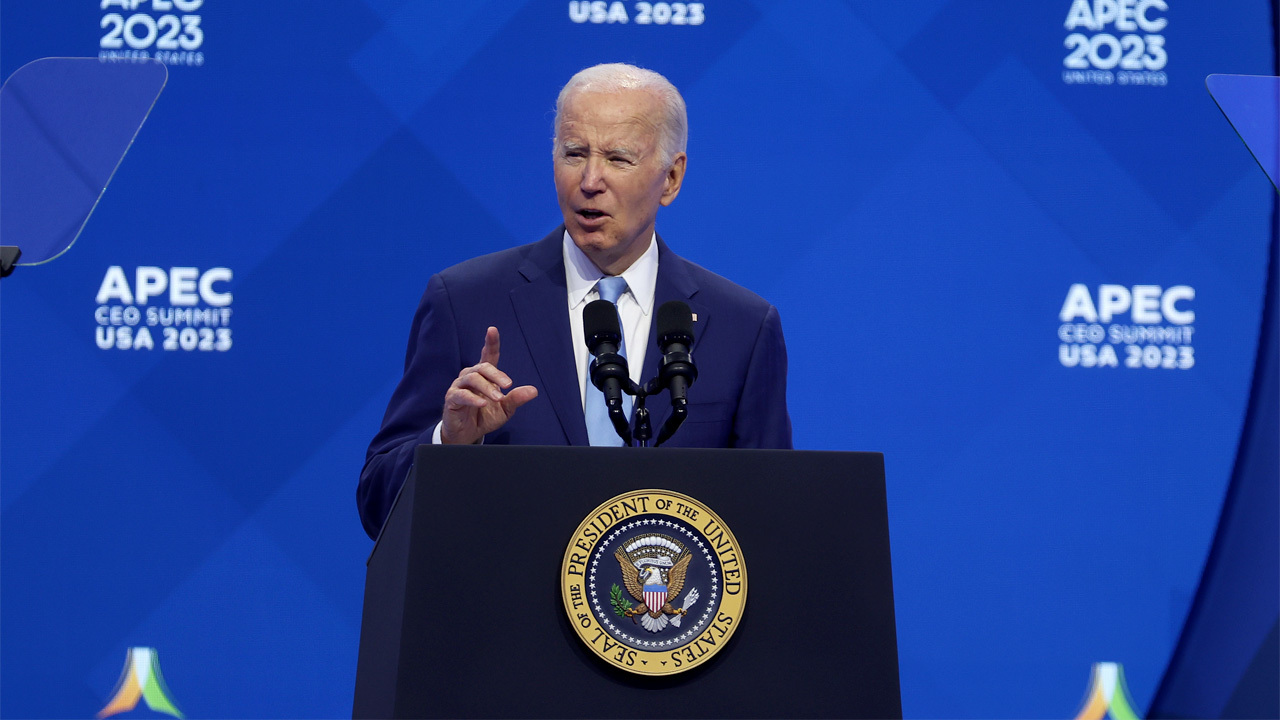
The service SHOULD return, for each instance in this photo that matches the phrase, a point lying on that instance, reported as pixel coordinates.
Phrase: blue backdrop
(1024, 230)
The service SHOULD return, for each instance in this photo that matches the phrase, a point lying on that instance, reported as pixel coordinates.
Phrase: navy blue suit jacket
(738, 400)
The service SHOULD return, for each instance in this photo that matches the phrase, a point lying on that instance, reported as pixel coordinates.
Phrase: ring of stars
(603, 617)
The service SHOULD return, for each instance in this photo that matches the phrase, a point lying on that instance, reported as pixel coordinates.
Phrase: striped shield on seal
(655, 596)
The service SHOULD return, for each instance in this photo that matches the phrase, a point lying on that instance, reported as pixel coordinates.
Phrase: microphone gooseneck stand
(643, 430)
(609, 374)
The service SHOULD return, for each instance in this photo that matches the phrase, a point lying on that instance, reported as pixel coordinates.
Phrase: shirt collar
(581, 274)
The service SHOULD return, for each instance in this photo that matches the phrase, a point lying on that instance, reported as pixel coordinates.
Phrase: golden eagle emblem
(653, 571)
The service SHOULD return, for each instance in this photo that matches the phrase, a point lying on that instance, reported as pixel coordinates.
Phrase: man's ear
(675, 176)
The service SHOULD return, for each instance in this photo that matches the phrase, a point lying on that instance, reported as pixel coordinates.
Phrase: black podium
(463, 615)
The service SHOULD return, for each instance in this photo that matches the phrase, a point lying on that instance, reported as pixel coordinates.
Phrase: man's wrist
(437, 436)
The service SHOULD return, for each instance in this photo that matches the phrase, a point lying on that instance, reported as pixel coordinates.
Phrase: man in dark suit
(619, 156)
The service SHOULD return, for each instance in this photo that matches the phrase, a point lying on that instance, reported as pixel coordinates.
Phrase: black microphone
(676, 370)
(609, 369)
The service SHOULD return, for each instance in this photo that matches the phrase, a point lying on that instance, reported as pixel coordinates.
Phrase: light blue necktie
(599, 428)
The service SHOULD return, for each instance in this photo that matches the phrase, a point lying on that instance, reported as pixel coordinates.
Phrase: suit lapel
(674, 283)
(540, 307)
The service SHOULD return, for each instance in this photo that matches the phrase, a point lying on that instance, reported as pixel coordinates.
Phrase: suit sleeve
(432, 362)
(762, 420)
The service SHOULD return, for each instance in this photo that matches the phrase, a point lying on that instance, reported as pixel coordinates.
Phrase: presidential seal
(654, 582)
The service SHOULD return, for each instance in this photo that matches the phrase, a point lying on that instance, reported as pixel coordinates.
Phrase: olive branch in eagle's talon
(621, 606)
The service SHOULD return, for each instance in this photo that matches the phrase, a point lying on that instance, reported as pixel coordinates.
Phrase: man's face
(610, 178)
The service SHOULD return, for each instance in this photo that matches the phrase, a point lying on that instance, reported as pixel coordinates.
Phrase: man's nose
(593, 176)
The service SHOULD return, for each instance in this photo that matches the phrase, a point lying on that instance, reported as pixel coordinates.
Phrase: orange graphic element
(126, 696)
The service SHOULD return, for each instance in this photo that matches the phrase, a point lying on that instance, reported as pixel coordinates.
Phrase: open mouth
(590, 214)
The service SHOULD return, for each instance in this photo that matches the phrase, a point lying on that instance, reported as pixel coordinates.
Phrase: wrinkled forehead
(601, 116)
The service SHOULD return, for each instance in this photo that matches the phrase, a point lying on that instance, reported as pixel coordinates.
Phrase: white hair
(616, 77)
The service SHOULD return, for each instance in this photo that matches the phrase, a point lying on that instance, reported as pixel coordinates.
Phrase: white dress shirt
(635, 310)
(635, 306)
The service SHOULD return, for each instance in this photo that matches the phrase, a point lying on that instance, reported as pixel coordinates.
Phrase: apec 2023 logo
(1123, 45)
(1158, 336)
(166, 30)
(196, 317)
(599, 12)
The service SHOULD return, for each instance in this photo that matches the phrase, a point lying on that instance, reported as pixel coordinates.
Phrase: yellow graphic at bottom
(1108, 694)
(141, 679)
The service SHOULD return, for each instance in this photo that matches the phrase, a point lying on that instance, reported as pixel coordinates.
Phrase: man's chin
(603, 248)
(591, 241)
(599, 248)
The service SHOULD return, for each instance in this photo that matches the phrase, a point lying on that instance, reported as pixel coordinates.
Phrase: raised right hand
(475, 403)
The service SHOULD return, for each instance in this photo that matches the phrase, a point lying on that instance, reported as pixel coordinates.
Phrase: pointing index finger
(492, 343)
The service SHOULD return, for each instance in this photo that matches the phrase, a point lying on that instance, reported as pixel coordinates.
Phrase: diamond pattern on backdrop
(423, 46)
